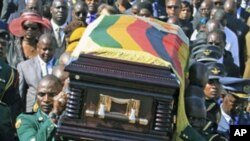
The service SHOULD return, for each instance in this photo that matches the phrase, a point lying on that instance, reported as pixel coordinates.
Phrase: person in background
(79, 12)
(27, 30)
(37, 67)
(92, 6)
(233, 102)
(185, 18)
(35, 5)
(172, 7)
(145, 9)
(59, 13)
(105, 9)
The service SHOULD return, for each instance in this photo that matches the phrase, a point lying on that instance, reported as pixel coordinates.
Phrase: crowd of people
(37, 38)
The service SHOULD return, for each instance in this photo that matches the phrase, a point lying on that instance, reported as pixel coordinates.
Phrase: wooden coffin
(118, 100)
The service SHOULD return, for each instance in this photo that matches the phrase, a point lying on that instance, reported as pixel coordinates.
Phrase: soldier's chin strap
(3, 85)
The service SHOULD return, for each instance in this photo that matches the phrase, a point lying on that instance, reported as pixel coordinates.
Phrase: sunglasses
(172, 6)
(31, 26)
(214, 43)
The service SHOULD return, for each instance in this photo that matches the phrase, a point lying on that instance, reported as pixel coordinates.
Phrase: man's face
(33, 5)
(92, 6)
(234, 104)
(59, 11)
(173, 8)
(212, 89)
(185, 13)
(46, 92)
(46, 49)
(205, 9)
(145, 13)
(79, 12)
(216, 39)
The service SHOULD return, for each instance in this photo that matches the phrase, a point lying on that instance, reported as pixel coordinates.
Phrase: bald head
(59, 72)
(65, 58)
(34, 5)
(46, 47)
(230, 7)
(220, 16)
(50, 81)
(213, 25)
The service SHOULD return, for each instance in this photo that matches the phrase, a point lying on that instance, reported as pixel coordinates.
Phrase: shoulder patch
(18, 123)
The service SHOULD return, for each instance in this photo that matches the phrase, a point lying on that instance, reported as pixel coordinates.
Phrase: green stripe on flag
(100, 35)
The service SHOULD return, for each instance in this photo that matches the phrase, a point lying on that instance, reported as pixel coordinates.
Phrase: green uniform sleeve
(29, 128)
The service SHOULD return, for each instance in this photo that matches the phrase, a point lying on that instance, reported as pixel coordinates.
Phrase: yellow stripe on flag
(119, 32)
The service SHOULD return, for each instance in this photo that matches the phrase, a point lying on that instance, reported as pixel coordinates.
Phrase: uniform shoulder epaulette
(2, 103)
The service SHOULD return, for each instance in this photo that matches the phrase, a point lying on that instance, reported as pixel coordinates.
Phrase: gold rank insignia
(18, 123)
(215, 71)
(207, 52)
(246, 89)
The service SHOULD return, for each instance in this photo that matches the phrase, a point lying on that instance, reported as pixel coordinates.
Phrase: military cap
(237, 86)
(201, 39)
(4, 30)
(215, 70)
(206, 53)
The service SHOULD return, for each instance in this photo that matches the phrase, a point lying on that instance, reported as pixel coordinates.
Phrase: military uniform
(239, 89)
(6, 130)
(10, 100)
(35, 126)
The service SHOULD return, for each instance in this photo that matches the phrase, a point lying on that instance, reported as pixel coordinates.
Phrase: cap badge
(215, 71)
(207, 52)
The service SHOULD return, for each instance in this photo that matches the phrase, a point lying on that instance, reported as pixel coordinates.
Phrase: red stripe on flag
(172, 45)
(137, 30)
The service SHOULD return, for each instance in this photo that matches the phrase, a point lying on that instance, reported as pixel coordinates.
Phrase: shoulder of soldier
(25, 117)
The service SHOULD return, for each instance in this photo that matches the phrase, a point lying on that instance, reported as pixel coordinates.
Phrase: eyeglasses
(31, 26)
(172, 6)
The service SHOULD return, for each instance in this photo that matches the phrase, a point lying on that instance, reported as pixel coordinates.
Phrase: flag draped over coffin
(141, 40)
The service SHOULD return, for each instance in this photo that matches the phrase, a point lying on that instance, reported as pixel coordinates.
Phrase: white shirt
(46, 67)
(225, 115)
(55, 28)
(232, 45)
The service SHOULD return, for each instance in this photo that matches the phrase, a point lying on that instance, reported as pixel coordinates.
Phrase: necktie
(58, 37)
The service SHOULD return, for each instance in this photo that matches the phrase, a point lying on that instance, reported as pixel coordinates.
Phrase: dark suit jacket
(231, 68)
(59, 49)
(240, 29)
(244, 15)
